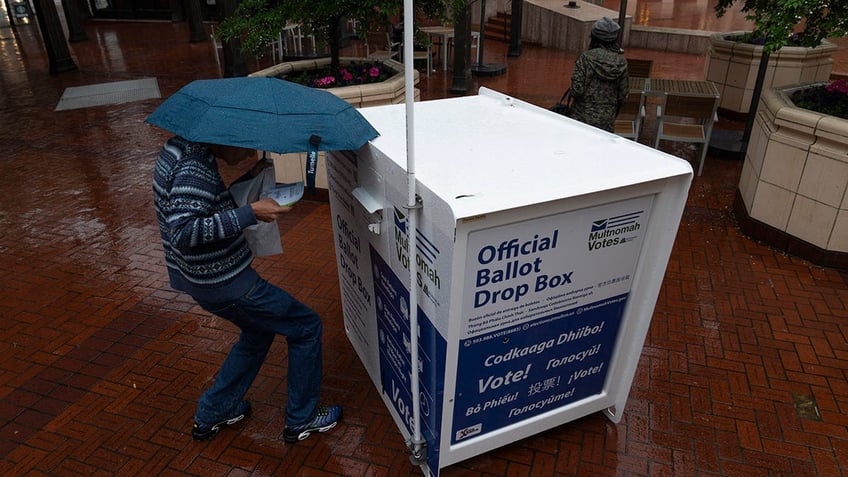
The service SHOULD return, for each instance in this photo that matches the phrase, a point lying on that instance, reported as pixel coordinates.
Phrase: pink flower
(362, 73)
(325, 81)
(838, 86)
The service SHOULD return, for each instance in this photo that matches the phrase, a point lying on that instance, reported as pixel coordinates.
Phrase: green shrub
(831, 99)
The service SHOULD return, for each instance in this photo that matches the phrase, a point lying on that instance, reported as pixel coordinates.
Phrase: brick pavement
(102, 363)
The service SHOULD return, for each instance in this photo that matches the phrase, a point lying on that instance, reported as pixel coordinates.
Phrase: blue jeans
(261, 314)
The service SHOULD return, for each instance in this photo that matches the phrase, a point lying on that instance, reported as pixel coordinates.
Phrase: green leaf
(810, 21)
(258, 22)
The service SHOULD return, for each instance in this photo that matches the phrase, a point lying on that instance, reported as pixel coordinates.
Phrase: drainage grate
(806, 407)
(108, 93)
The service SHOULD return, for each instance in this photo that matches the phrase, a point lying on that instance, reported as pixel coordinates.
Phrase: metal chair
(687, 118)
(379, 46)
(426, 55)
(475, 44)
(628, 123)
(293, 34)
(216, 45)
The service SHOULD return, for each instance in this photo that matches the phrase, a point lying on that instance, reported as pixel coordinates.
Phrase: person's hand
(267, 209)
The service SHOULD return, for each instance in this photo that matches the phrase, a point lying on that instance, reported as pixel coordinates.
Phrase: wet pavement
(743, 372)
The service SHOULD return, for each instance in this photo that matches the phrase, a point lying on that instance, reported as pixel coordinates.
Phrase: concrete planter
(733, 67)
(390, 91)
(793, 190)
(290, 167)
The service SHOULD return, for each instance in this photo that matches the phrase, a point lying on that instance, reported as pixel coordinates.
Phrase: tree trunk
(74, 21)
(235, 64)
(335, 42)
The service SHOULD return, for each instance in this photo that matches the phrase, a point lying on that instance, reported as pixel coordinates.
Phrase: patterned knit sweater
(201, 226)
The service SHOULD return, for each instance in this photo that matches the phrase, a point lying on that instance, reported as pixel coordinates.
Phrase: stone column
(461, 51)
(515, 29)
(74, 20)
(195, 22)
(58, 54)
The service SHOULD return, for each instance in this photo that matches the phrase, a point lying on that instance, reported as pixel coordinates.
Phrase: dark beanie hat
(605, 30)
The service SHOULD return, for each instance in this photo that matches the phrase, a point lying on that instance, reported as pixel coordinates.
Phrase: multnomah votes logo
(426, 248)
(613, 231)
(425, 257)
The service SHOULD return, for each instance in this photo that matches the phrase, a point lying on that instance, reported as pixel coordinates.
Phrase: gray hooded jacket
(599, 87)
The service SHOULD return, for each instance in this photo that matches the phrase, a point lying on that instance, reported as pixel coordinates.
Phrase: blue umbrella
(263, 113)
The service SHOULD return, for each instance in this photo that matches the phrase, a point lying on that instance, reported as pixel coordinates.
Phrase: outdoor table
(659, 87)
(640, 84)
(446, 34)
(692, 87)
(655, 87)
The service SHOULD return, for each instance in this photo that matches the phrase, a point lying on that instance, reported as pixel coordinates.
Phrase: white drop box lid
(541, 156)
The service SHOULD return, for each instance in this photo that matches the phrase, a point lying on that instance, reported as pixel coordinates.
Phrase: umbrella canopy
(263, 113)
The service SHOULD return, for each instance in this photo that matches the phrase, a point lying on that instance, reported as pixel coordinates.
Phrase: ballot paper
(286, 194)
(262, 237)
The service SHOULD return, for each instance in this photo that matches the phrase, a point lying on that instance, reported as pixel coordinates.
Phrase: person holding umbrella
(208, 257)
(202, 230)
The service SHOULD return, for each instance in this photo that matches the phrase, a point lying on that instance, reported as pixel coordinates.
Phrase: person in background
(208, 258)
(599, 84)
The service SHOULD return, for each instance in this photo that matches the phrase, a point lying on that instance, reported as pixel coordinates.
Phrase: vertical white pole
(412, 223)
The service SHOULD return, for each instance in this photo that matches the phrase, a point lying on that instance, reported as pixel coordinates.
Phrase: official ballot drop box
(541, 245)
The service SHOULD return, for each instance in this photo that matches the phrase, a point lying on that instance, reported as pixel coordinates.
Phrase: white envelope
(264, 237)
